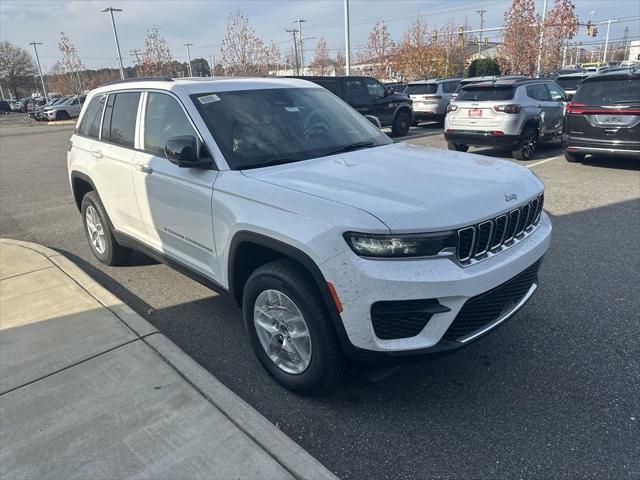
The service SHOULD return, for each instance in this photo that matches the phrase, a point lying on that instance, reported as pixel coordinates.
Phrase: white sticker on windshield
(292, 109)
(209, 98)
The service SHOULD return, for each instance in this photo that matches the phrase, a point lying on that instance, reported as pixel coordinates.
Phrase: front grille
(489, 306)
(476, 241)
(403, 318)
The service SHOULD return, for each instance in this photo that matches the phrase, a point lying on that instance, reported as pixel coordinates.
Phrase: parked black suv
(604, 117)
(370, 97)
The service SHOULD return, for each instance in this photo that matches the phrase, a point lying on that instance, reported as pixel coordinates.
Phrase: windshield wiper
(350, 148)
(269, 163)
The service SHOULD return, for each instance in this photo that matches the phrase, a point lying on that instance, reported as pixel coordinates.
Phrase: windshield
(569, 83)
(475, 94)
(609, 92)
(423, 88)
(254, 128)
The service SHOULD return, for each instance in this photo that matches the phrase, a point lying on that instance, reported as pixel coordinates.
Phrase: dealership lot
(553, 393)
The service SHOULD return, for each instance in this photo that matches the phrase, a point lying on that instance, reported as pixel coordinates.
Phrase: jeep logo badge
(508, 197)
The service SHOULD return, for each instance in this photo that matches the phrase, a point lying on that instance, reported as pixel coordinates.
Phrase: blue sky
(202, 22)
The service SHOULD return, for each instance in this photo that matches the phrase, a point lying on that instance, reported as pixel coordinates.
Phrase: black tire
(528, 141)
(573, 157)
(113, 253)
(458, 147)
(327, 361)
(62, 115)
(401, 124)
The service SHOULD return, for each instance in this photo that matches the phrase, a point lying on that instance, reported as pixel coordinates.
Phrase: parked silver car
(65, 110)
(487, 78)
(515, 114)
(431, 98)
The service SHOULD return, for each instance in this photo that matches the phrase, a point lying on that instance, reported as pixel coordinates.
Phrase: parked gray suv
(515, 114)
(431, 98)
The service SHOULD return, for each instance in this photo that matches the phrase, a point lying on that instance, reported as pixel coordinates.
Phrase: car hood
(411, 188)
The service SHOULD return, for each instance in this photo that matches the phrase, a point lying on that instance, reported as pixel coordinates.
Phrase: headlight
(397, 246)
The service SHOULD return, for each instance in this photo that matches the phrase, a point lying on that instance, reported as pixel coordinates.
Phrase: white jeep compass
(337, 243)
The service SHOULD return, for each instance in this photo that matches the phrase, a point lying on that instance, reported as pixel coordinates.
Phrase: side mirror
(183, 152)
(374, 120)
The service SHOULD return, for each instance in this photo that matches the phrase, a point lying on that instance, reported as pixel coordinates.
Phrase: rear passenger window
(449, 87)
(330, 85)
(164, 118)
(557, 95)
(538, 92)
(90, 124)
(355, 91)
(119, 125)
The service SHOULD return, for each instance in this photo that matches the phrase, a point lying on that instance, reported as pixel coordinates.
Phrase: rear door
(175, 202)
(356, 94)
(114, 155)
(380, 106)
(542, 101)
(558, 98)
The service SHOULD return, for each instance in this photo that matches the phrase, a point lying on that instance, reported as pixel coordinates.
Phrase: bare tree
(339, 64)
(321, 61)
(561, 24)
(70, 64)
(379, 49)
(242, 52)
(15, 64)
(519, 48)
(156, 57)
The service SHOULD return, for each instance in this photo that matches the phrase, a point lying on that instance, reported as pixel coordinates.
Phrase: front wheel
(401, 124)
(290, 329)
(458, 147)
(528, 143)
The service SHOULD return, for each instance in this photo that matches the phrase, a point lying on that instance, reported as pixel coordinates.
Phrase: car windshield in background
(475, 94)
(569, 83)
(609, 92)
(256, 128)
(423, 89)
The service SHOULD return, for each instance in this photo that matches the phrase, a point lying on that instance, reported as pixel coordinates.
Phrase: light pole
(544, 15)
(606, 40)
(115, 35)
(481, 12)
(189, 57)
(35, 48)
(347, 42)
(300, 21)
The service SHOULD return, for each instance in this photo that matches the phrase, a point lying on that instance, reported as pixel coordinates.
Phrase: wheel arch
(403, 108)
(81, 184)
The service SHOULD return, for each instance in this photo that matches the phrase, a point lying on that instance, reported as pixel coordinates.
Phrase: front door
(174, 202)
(380, 105)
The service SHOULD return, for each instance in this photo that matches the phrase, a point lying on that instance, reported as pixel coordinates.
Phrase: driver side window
(376, 89)
(164, 118)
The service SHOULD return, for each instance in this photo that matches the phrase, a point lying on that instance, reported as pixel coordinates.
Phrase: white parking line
(542, 161)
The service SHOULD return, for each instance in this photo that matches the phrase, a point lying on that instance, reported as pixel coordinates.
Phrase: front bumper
(361, 282)
(473, 137)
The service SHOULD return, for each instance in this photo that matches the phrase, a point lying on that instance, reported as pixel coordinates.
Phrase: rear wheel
(290, 329)
(458, 147)
(573, 157)
(96, 226)
(401, 124)
(528, 142)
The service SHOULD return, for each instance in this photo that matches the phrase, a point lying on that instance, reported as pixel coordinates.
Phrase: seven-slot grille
(492, 235)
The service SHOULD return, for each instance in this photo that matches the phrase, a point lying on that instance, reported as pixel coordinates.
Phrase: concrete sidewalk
(89, 389)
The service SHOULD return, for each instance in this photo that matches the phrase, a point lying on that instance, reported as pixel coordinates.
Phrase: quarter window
(119, 125)
(90, 124)
(164, 118)
(449, 87)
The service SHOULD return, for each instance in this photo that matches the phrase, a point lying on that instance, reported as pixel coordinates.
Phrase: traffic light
(594, 31)
(461, 36)
(475, 40)
(486, 41)
(589, 27)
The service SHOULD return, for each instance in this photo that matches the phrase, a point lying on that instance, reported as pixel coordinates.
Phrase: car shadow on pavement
(616, 163)
(543, 151)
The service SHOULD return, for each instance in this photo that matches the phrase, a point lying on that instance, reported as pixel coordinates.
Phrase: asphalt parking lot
(554, 393)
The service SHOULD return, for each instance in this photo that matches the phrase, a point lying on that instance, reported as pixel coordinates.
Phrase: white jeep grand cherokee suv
(337, 243)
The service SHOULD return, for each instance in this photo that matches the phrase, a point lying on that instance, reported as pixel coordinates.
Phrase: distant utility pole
(481, 12)
(189, 57)
(300, 21)
(35, 48)
(212, 65)
(115, 35)
(544, 15)
(347, 41)
(625, 42)
(294, 32)
(606, 40)
(135, 53)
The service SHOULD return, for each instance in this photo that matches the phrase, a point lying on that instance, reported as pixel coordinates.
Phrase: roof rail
(141, 79)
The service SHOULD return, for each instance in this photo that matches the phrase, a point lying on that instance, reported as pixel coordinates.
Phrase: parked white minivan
(338, 244)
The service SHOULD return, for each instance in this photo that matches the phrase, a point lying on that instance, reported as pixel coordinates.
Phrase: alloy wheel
(96, 230)
(282, 331)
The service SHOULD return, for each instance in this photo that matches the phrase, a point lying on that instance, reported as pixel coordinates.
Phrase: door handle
(96, 153)
(143, 168)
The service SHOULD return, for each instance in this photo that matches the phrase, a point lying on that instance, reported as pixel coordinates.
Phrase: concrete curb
(61, 122)
(285, 451)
